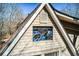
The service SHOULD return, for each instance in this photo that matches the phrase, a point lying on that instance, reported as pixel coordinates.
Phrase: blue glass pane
(42, 33)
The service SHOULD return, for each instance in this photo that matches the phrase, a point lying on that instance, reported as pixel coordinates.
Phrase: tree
(10, 16)
(1, 20)
(71, 9)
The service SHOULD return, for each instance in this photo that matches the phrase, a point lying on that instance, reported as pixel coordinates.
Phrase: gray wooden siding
(26, 46)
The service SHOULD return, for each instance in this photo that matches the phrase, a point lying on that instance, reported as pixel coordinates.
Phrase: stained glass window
(42, 33)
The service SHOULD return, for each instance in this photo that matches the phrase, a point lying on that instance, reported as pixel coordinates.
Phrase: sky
(59, 6)
(29, 7)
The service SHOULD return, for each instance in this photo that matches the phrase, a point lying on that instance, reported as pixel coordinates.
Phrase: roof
(67, 18)
(27, 22)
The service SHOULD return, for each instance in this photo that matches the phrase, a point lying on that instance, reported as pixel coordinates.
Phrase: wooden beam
(71, 31)
(66, 39)
(17, 38)
(70, 25)
(75, 39)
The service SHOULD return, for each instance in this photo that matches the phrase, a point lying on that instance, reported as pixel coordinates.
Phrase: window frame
(48, 27)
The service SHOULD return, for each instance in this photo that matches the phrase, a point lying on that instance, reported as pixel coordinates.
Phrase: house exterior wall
(26, 47)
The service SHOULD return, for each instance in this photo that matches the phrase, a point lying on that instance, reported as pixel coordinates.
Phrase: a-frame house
(44, 32)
